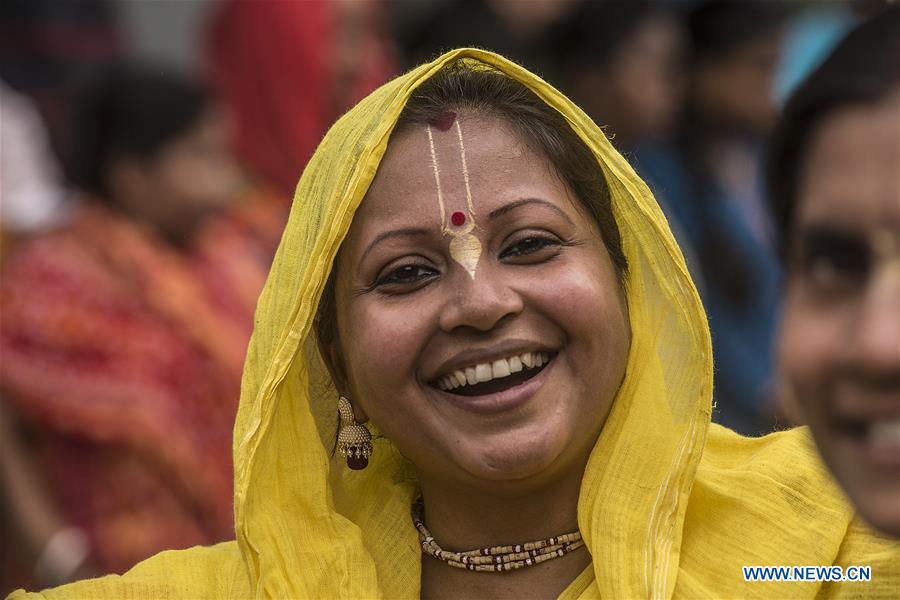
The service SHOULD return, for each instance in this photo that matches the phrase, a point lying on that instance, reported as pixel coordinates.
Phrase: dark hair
(718, 27)
(126, 112)
(863, 69)
(596, 31)
(460, 87)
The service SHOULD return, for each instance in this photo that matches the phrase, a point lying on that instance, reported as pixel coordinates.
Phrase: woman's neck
(465, 519)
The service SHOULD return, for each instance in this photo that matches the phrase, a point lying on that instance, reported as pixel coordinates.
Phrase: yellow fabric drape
(670, 505)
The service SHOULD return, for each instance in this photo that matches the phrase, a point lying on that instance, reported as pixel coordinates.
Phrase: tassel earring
(354, 439)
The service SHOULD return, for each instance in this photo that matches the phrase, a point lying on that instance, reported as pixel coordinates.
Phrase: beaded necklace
(496, 558)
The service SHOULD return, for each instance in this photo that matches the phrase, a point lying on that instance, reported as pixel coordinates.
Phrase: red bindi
(443, 121)
(458, 218)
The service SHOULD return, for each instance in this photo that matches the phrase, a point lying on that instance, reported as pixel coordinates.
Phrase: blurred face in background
(840, 340)
(647, 75)
(735, 89)
(358, 51)
(189, 176)
(638, 92)
(532, 17)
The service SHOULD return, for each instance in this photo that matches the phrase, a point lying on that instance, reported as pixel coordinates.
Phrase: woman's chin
(880, 509)
(526, 463)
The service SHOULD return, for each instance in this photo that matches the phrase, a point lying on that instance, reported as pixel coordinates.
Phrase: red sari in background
(288, 70)
(122, 358)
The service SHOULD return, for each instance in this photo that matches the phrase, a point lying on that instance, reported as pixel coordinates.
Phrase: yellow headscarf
(669, 506)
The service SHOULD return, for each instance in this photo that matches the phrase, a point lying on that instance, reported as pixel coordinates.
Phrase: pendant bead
(357, 463)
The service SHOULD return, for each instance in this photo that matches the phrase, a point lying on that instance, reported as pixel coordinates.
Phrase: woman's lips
(503, 400)
(518, 366)
(877, 442)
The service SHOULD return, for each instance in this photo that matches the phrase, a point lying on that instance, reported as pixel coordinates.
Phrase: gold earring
(354, 439)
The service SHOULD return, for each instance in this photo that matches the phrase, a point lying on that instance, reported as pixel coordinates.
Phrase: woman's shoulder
(727, 449)
(879, 557)
(776, 476)
(765, 502)
(200, 572)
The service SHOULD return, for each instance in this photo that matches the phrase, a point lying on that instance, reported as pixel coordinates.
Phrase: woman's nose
(479, 303)
(874, 343)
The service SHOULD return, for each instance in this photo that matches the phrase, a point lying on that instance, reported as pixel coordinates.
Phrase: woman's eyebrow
(824, 235)
(524, 202)
(404, 232)
(823, 231)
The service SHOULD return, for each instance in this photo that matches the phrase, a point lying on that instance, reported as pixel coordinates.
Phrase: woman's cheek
(587, 298)
(807, 346)
(384, 346)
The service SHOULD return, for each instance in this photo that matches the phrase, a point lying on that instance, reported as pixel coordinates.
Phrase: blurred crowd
(141, 206)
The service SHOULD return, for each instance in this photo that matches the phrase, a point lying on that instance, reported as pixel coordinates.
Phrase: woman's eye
(529, 245)
(832, 271)
(406, 275)
(834, 263)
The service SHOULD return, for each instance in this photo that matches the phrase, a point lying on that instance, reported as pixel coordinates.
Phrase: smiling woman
(836, 189)
(481, 368)
(491, 300)
(474, 353)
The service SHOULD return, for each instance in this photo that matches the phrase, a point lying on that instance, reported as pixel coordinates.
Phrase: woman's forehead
(472, 164)
(455, 138)
(850, 175)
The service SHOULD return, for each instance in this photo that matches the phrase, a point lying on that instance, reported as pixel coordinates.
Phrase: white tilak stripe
(437, 179)
(465, 170)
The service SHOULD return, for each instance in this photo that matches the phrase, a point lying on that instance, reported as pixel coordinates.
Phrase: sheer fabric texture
(670, 506)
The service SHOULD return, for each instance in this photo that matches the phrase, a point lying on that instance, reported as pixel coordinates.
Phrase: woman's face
(840, 340)
(190, 176)
(646, 78)
(526, 304)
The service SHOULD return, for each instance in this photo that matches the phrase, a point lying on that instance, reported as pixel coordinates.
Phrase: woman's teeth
(885, 433)
(484, 372)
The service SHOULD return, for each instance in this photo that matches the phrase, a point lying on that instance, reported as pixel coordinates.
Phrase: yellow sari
(670, 505)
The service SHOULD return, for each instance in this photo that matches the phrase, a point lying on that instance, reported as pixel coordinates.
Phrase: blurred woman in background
(123, 337)
(835, 189)
(474, 272)
(286, 71)
(526, 32)
(623, 62)
(709, 181)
